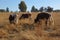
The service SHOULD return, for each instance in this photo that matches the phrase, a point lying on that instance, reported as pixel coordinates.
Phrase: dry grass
(23, 31)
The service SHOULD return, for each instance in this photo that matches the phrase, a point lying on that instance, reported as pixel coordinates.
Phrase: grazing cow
(43, 16)
(13, 18)
(25, 16)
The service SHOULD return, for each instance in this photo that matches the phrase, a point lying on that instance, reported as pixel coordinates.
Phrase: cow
(13, 18)
(23, 16)
(44, 16)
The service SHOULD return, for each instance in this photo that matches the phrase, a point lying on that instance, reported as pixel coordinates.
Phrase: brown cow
(44, 16)
(25, 16)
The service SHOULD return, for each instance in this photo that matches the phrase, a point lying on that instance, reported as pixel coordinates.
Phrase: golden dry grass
(18, 32)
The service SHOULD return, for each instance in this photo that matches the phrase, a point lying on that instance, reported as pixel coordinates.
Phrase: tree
(49, 9)
(36, 10)
(41, 9)
(7, 9)
(45, 9)
(2, 10)
(33, 9)
(22, 6)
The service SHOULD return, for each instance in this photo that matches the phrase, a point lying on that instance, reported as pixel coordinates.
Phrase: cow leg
(10, 21)
(51, 22)
(46, 22)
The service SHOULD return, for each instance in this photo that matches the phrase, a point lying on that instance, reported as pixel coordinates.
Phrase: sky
(13, 4)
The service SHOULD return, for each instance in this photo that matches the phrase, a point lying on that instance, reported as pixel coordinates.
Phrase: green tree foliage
(7, 9)
(49, 9)
(33, 9)
(36, 10)
(2, 10)
(41, 9)
(22, 6)
(45, 9)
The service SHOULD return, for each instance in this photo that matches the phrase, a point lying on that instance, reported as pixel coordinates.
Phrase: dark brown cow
(25, 16)
(42, 16)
